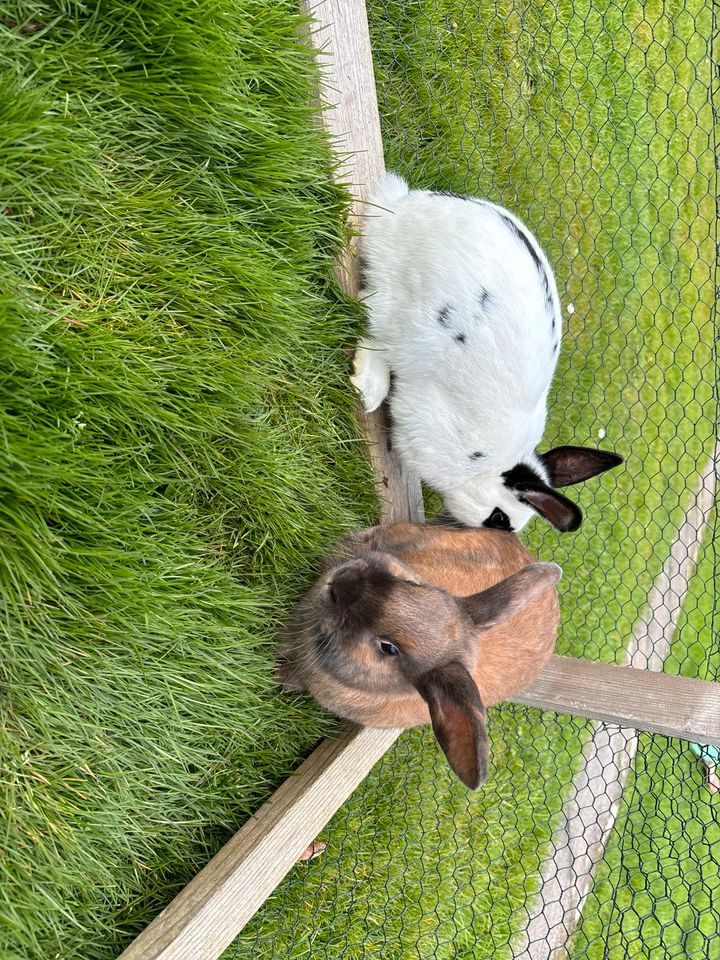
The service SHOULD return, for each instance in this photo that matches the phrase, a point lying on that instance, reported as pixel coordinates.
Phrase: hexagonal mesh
(593, 121)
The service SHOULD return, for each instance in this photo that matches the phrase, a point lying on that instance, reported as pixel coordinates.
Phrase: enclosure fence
(595, 836)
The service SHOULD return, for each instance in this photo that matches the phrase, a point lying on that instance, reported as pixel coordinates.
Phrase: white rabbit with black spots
(464, 334)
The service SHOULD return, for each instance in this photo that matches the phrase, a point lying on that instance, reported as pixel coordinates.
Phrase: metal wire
(596, 122)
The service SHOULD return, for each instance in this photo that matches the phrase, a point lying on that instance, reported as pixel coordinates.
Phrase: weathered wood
(340, 34)
(206, 916)
(399, 493)
(208, 913)
(646, 701)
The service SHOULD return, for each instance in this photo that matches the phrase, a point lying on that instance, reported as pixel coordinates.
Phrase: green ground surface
(657, 887)
(660, 877)
(176, 443)
(696, 647)
(417, 867)
(593, 122)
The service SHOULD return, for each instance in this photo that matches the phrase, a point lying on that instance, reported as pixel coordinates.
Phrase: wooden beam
(341, 36)
(639, 699)
(209, 913)
(206, 916)
(339, 33)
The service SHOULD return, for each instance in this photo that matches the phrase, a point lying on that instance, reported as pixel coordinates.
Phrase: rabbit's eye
(388, 649)
(498, 520)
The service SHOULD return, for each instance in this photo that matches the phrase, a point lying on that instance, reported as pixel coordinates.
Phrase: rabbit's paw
(371, 375)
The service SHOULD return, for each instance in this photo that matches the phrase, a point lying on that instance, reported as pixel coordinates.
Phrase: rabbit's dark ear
(568, 465)
(458, 719)
(562, 513)
(504, 599)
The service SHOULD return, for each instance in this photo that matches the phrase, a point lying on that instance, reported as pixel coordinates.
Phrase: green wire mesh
(595, 122)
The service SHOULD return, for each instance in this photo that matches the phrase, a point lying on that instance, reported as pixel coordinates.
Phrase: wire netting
(595, 122)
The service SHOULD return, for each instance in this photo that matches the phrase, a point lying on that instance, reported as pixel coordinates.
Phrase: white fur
(423, 252)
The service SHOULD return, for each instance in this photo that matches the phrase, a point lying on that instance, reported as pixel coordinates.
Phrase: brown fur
(502, 660)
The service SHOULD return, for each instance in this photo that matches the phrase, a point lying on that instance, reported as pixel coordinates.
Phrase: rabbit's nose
(346, 586)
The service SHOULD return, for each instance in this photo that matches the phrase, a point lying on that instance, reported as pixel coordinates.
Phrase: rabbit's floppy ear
(501, 601)
(532, 490)
(562, 513)
(568, 465)
(458, 720)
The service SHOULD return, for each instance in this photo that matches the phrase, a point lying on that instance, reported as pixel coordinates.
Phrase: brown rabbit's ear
(501, 601)
(568, 465)
(458, 719)
(288, 675)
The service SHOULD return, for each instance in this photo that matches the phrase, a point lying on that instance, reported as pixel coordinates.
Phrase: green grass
(656, 889)
(656, 885)
(417, 867)
(176, 443)
(696, 647)
(592, 121)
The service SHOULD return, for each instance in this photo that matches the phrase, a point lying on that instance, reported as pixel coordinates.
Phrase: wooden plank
(208, 913)
(651, 702)
(340, 34)
(588, 818)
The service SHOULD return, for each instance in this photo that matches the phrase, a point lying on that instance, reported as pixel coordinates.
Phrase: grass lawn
(591, 120)
(696, 650)
(656, 890)
(417, 867)
(656, 886)
(176, 443)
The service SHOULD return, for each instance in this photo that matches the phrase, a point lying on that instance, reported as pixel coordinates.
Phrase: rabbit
(465, 324)
(413, 623)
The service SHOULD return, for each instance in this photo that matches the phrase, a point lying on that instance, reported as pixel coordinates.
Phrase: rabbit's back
(437, 263)
(463, 303)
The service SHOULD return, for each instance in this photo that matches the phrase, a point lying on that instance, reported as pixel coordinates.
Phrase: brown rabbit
(411, 624)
